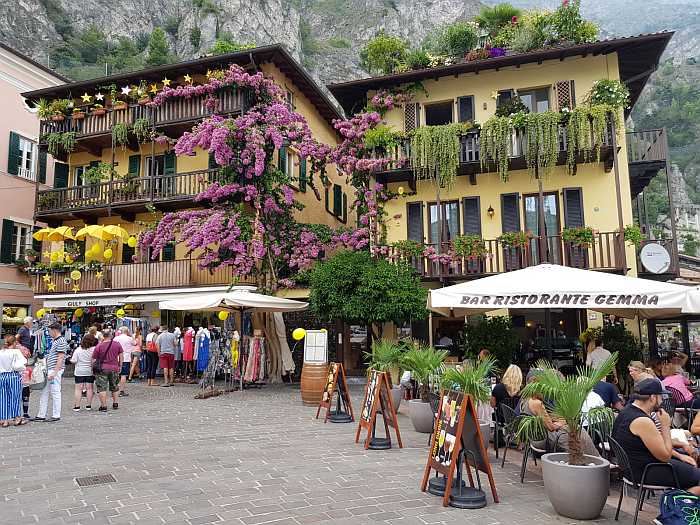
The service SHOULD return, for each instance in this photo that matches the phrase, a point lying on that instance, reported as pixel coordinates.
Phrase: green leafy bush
(582, 236)
(381, 137)
(493, 19)
(495, 334)
(457, 39)
(611, 92)
(383, 54)
(469, 245)
(417, 59)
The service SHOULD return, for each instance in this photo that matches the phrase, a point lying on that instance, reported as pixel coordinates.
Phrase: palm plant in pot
(386, 357)
(472, 378)
(565, 473)
(426, 365)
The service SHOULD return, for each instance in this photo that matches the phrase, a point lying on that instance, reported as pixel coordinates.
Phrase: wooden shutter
(411, 116)
(8, 230)
(14, 155)
(36, 245)
(41, 171)
(510, 212)
(565, 94)
(465, 109)
(573, 208)
(282, 159)
(504, 96)
(414, 211)
(169, 252)
(302, 174)
(127, 253)
(60, 175)
(169, 163)
(135, 165)
(471, 210)
(328, 208)
(345, 207)
(337, 200)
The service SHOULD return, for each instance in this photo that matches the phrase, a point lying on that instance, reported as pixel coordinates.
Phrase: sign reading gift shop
(457, 428)
(82, 303)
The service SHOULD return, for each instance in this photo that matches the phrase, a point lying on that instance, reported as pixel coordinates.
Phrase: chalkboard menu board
(335, 384)
(457, 428)
(377, 396)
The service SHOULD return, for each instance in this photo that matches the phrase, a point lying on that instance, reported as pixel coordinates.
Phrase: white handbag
(38, 380)
(19, 362)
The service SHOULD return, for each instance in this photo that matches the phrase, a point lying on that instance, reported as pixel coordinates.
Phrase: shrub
(458, 38)
(492, 19)
(383, 54)
(495, 334)
(417, 59)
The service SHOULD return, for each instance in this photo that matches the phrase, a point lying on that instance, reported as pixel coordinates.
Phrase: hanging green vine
(435, 152)
(58, 142)
(495, 140)
(541, 134)
(120, 134)
(579, 136)
(142, 129)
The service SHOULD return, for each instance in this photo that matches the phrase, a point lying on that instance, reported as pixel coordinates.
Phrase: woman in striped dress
(12, 364)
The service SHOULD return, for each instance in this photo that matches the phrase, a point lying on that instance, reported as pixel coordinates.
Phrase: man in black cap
(636, 432)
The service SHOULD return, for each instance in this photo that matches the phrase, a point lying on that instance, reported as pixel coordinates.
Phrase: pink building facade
(23, 170)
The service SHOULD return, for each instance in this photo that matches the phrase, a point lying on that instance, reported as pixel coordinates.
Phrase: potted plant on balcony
(580, 237)
(408, 249)
(426, 366)
(120, 134)
(78, 114)
(565, 473)
(519, 239)
(472, 248)
(633, 234)
(31, 255)
(142, 129)
(59, 109)
(47, 201)
(43, 109)
(386, 357)
(142, 93)
(98, 109)
(472, 378)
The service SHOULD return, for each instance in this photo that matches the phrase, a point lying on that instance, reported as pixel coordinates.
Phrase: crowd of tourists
(105, 362)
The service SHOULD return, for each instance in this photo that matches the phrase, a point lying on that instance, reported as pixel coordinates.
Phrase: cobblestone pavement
(242, 458)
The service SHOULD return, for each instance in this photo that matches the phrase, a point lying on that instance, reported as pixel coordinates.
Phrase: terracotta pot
(99, 111)
(78, 116)
(120, 107)
(57, 118)
(144, 101)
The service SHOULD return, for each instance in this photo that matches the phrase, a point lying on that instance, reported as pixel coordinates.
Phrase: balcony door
(450, 222)
(156, 170)
(552, 222)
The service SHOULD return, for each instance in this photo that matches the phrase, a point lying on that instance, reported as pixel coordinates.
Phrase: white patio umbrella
(554, 286)
(239, 298)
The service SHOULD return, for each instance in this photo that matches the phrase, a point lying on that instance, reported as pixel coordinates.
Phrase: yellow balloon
(78, 312)
(324, 330)
(107, 254)
(69, 259)
(298, 334)
(54, 256)
(131, 241)
(75, 275)
(223, 316)
(155, 313)
(40, 313)
(120, 313)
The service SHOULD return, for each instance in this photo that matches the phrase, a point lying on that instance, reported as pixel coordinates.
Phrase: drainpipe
(542, 234)
(622, 256)
(671, 207)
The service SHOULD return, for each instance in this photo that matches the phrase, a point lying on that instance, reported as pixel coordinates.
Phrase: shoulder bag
(99, 361)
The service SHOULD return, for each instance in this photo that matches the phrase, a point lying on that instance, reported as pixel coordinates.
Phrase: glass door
(450, 218)
(155, 168)
(551, 226)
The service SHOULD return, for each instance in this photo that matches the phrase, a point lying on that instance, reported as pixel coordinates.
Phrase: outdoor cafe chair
(600, 431)
(537, 452)
(678, 400)
(628, 480)
(509, 426)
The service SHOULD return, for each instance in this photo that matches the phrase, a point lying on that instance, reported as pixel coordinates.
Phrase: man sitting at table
(644, 443)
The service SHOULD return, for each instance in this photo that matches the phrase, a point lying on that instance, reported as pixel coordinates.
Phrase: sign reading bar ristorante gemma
(565, 299)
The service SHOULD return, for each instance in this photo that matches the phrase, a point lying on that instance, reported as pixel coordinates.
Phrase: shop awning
(561, 287)
(114, 298)
(84, 301)
(152, 296)
(240, 297)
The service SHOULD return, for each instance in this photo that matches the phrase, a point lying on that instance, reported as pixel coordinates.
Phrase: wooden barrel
(313, 380)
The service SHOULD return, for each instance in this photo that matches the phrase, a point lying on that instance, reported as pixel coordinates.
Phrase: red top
(109, 355)
(188, 347)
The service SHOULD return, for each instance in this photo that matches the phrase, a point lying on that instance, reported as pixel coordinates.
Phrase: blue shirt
(607, 392)
(58, 346)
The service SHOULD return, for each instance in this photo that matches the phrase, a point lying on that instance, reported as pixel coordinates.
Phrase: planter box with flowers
(473, 249)
(78, 114)
(98, 110)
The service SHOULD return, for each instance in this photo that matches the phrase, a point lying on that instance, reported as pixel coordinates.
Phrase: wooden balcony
(603, 254)
(647, 153)
(140, 276)
(399, 168)
(175, 115)
(125, 195)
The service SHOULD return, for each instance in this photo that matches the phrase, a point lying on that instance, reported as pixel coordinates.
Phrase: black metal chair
(600, 431)
(678, 401)
(536, 452)
(640, 485)
(500, 423)
(509, 426)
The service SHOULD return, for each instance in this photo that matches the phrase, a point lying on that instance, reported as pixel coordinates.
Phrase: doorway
(552, 222)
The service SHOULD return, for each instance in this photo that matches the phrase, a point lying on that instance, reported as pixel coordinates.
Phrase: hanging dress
(203, 354)
(188, 346)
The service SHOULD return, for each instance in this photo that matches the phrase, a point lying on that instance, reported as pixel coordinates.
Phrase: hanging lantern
(131, 242)
(120, 313)
(75, 275)
(298, 334)
(223, 316)
(78, 313)
(107, 254)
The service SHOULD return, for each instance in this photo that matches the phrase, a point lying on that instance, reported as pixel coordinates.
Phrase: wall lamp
(491, 212)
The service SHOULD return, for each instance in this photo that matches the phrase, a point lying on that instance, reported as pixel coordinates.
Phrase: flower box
(58, 118)
(120, 106)
(143, 101)
(78, 115)
(99, 111)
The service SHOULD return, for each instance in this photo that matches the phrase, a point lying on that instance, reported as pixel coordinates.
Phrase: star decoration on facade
(46, 278)
(76, 288)
(154, 88)
(98, 274)
(86, 98)
(188, 79)
(166, 82)
(47, 254)
(494, 95)
(208, 73)
(51, 287)
(126, 90)
(99, 97)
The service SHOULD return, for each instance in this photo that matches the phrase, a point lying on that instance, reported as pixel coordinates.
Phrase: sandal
(21, 422)
(5, 424)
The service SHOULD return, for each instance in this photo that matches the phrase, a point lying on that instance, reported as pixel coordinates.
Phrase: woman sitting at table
(674, 378)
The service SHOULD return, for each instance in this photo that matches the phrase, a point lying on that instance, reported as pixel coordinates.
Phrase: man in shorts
(166, 347)
(109, 353)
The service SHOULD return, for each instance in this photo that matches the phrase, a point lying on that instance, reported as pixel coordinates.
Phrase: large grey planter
(485, 427)
(564, 485)
(422, 416)
(396, 397)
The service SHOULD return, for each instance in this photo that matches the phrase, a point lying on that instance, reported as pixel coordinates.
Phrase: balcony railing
(172, 111)
(646, 146)
(139, 276)
(470, 150)
(178, 186)
(602, 254)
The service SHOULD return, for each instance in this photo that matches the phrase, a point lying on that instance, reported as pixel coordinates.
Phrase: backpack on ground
(678, 507)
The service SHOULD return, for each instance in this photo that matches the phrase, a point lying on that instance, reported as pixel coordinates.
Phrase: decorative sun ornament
(494, 95)
(126, 90)
(86, 98)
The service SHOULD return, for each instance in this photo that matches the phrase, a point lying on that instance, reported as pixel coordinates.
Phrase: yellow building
(600, 195)
(149, 178)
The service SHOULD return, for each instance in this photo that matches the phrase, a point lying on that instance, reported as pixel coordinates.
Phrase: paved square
(248, 458)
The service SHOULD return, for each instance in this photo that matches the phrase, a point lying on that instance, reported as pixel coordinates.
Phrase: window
(438, 114)
(21, 240)
(465, 109)
(159, 165)
(28, 155)
(536, 100)
(78, 173)
(450, 222)
(289, 98)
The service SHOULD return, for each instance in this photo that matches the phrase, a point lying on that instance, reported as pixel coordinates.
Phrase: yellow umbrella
(43, 234)
(115, 231)
(93, 230)
(61, 233)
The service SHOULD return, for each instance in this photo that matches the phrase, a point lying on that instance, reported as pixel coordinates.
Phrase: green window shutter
(282, 160)
(135, 165)
(8, 230)
(60, 175)
(302, 174)
(328, 208)
(41, 174)
(127, 253)
(169, 252)
(169, 163)
(345, 207)
(14, 156)
(36, 245)
(212, 162)
(337, 200)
